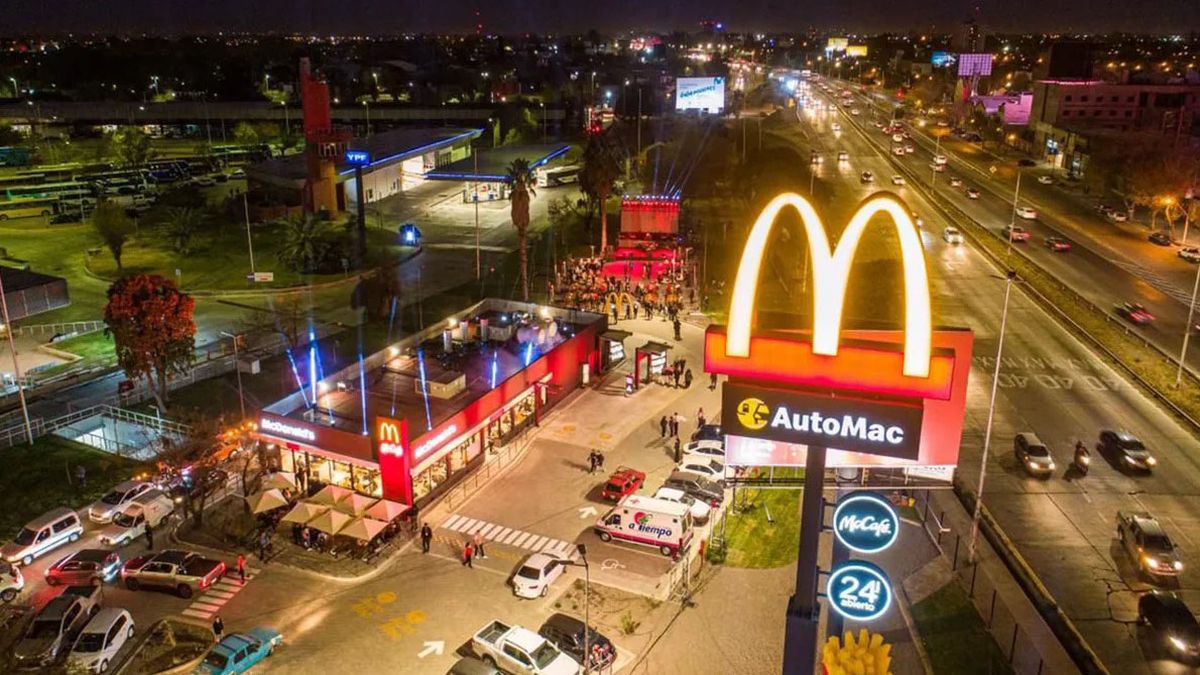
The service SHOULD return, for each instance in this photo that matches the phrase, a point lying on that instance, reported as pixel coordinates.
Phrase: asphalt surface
(1051, 384)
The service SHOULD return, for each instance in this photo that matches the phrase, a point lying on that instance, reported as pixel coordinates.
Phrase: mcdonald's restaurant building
(421, 415)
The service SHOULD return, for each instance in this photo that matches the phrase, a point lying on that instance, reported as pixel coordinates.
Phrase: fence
(471, 483)
(16, 433)
(71, 328)
(1018, 648)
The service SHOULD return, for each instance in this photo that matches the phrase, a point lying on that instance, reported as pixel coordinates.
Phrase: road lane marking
(196, 613)
(463, 524)
(535, 545)
(452, 521)
(498, 535)
(486, 532)
(508, 540)
(520, 541)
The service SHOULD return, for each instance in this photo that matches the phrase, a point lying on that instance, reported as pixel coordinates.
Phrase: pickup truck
(518, 650)
(183, 572)
(1147, 544)
(54, 629)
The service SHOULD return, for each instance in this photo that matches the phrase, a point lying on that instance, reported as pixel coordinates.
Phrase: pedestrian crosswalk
(212, 600)
(508, 536)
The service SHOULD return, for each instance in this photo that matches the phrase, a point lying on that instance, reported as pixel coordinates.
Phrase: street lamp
(237, 368)
(287, 122)
(587, 595)
(1009, 277)
(1187, 329)
(367, 105)
(542, 105)
(267, 82)
(16, 89)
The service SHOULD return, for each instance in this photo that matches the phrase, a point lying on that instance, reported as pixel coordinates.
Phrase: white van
(130, 522)
(97, 646)
(648, 521)
(42, 535)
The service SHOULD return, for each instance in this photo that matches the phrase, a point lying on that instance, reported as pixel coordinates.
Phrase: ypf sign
(919, 371)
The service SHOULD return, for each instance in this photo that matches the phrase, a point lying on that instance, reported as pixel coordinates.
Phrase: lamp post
(287, 121)
(587, 595)
(237, 368)
(1012, 221)
(16, 89)
(542, 105)
(1009, 277)
(12, 346)
(1187, 329)
(367, 105)
(266, 82)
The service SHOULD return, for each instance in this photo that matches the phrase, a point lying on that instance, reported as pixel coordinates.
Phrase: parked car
(1027, 212)
(1160, 238)
(1016, 233)
(1173, 624)
(897, 180)
(1105, 209)
(697, 486)
(1045, 180)
(951, 235)
(42, 535)
(624, 481)
(1125, 451)
(238, 652)
(1147, 544)
(11, 582)
(1033, 455)
(1118, 216)
(1058, 244)
(183, 572)
(709, 468)
(566, 632)
(1135, 313)
(103, 510)
(708, 449)
(187, 487)
(533, 578)
(700, 509)
(709, 432)
(1190, 254)
(102, 638)
(238, 173)
(204, 181)
(54, 628)
(89, 566)
(514, 649)
(150, 508)
(972, 193)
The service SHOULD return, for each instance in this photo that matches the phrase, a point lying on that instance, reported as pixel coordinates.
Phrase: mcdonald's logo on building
(390, 436)
(917, 365)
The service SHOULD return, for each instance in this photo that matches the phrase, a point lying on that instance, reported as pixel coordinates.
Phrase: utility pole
(475, 198)
(1012, 221)
(1187, 329)
(12, 346)
(249, 241)
(237, 368)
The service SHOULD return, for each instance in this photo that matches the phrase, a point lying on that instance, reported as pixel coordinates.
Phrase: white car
(908, 149)
(951, 235)
(1027, 212)
(11, 581)
(955, 181)
(1045, 180)
(204, 181)
(709, 468)
(843, 156)
(972, 193)
(897, 138)
(534, 576)
(897, 180)
(710, 449)
(898, 150)
(1118, 216)
(98, 644)
(939, 159)
(855, 111)
(103, 510)
(835, 126)
(699, 509)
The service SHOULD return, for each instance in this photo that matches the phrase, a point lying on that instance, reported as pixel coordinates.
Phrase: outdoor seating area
(333, 521)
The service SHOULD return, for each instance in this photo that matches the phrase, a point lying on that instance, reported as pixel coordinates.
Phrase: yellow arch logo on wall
(831, 271)
(753, 413)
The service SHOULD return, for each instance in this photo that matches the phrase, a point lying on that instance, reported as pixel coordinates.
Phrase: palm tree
(596, 180)
(181, 223)
(521, 181)
(305, 243)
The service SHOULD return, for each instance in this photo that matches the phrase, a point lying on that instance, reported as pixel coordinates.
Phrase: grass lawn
(752, 540)
(93, 345)
(59, 250)
(955, 636)
(35, 479)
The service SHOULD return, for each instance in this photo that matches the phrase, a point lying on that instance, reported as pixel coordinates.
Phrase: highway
(1052, 384)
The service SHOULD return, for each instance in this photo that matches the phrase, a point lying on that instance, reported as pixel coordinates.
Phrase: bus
(52, 172)
(27, 208)
(67, 190)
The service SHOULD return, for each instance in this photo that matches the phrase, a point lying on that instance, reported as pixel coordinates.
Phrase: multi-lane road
(1052, 384)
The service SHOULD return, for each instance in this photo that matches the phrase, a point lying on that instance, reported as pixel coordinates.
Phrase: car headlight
(1050, 466)
(1177, 565)
(1130, 459)
(1150, 461)
(1151, 563)
(1177, 643)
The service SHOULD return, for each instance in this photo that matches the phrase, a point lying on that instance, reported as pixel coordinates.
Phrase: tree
(245, 134)
(306, 244)
(596, 179)
(114, 227)
(180, 225)
(521, 181)
(153, 329)
(132, 146)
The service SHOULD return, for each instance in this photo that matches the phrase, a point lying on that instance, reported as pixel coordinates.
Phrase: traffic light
(868, 655)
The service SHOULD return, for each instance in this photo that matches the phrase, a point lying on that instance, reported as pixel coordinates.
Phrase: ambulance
(648, 521)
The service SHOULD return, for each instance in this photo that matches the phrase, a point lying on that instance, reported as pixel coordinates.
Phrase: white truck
(521, 651)
(130, 522)
(648, 521)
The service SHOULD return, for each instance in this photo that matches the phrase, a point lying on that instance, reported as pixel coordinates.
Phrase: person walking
(662, 427)
(678, 451)
(700, 418)
(712, 381)
(687, 379)
(241, 567)
(592, 461)
(426, 537)
(264, 543)
(478, 539)
(149, 536)
(81, 475)
(218, 627)
(468, 553)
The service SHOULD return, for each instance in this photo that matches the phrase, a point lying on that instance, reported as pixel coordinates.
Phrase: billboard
(972, 65)
(856, 50)
(943, 59)
(837, 44)
(706, 94)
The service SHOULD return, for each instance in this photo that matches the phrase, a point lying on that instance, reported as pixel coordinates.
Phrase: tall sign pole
(360, 158)
(804, 611)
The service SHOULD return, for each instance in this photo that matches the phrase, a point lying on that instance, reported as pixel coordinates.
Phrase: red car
(1135, 313)
(1016, 233)
(1058, 244)
(624, 481)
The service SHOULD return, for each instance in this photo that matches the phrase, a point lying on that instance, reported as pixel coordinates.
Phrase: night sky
(515, 16)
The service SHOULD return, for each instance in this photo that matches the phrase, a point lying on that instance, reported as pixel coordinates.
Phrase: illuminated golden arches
(831, 271)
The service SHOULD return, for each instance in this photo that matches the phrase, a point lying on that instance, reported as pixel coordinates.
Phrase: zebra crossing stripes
(497, 533)
(210, 602)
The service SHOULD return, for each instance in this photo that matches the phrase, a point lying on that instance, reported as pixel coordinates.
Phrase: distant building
(1015, 106)
(968, 37)
(27, 293)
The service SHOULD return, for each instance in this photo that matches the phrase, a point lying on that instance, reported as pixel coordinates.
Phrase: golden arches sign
(831, 271)
(619, 299)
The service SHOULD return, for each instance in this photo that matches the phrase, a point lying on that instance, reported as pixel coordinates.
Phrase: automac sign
(891, 428)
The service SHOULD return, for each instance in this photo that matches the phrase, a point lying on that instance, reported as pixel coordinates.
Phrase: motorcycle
(1083, 459)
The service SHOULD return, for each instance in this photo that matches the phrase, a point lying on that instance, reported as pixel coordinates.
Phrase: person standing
(81, 475)
(600, 460)
(478, 539)
(426, 537)
(218, 627)
(149, 536)
(700, 418)
(712, 381)
(241, 567)
(678, 451)
(687, 379)
(674, 424)
(468, 553)
(264, 542)
(675, 373)
(592, 461)
(662, 427)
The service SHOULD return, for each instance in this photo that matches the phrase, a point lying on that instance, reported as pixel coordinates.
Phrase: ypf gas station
(827, 398)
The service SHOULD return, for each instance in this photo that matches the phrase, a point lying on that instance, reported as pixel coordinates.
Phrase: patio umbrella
(266, 500)
(355, 504)
(330, 495)
(386, 510)
(304, 512)
(363, 529)
(284, 480)
(330, 522)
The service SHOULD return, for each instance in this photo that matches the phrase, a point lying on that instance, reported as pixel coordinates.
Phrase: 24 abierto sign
(859, 591)
(865, 522)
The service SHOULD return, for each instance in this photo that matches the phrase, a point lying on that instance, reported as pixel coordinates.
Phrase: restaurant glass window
(339, 474)
(429, 479)
(463, 453)
(366, 481)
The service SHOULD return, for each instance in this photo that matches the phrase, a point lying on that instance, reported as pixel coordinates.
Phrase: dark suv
(697, 486)
(566, 632)
(1125, 451)
(1173, 624)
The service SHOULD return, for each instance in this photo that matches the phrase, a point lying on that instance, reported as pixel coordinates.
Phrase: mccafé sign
(843, 423)
(872, 393)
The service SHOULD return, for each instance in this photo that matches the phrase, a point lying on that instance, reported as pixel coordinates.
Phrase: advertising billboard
(706, 94)
(837, 44)
(943, 59)
(856, 50)
(972, 65)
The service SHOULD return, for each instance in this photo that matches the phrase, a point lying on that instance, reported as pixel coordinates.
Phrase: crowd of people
(582, 284)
